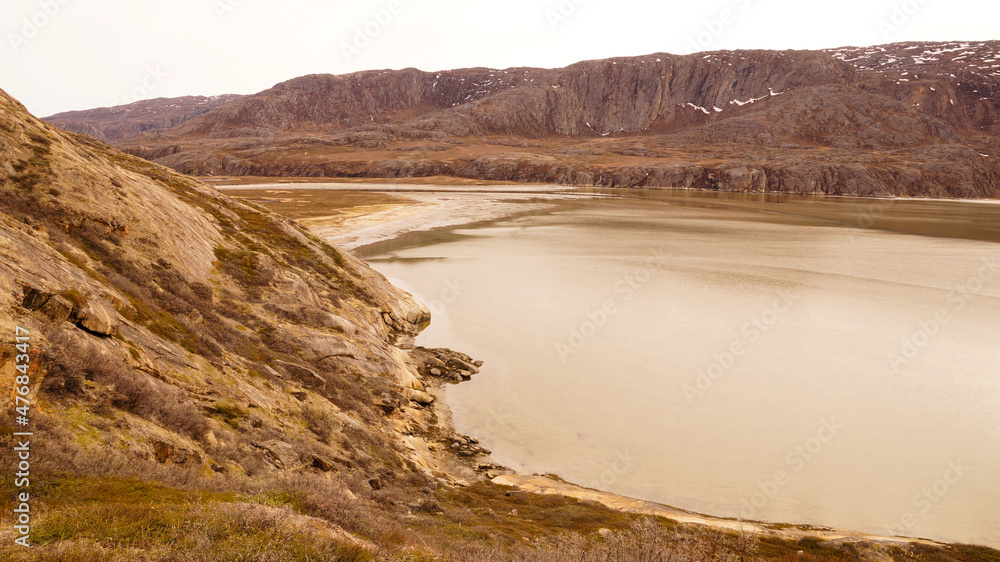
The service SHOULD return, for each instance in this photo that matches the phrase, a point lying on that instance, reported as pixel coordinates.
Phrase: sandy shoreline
(539, 484)
(432, 211)
(455, 206)
(426, 208)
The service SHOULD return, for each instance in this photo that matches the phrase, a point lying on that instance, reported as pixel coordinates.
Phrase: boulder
(323, 463)
(280, 454)
(418, 396)
(58, 309)
(321, 345)
(162, 451)
(34, 298)
(97, 319)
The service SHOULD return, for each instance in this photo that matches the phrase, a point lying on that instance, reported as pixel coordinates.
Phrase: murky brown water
(772, 359)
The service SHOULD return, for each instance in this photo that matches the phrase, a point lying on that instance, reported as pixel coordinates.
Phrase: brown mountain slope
(179, 284)
(625, 94)
(173, 333)
(115, 124)
(958, 82)
(903, 119)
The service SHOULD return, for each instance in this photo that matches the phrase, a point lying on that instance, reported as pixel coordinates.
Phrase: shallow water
(766, 358)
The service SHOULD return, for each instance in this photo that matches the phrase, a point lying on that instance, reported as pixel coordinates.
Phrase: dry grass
(108, 505)
(70, 361)
(135, 520)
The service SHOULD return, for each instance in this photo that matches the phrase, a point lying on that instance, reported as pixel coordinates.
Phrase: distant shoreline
(436, 183)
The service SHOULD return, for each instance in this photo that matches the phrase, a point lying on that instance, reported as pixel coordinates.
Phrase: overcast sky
(59, 55)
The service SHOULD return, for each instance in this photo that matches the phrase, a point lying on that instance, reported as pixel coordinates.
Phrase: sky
(60, 55)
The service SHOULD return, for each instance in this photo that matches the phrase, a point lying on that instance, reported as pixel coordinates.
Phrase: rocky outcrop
(90, 314)
(937, 170)
(955, 81)
(445, 364)
(279, 454)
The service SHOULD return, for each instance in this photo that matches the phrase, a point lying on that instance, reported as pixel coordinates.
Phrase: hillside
(115, 124)
(177, 334)
(902, 119)
(208, 379)
(197, 356)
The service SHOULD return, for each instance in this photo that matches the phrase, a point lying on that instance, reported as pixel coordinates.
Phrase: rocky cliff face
(955, 81)
(902, 119)
(587, 98)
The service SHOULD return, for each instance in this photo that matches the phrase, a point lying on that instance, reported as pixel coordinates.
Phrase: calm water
(771, 359)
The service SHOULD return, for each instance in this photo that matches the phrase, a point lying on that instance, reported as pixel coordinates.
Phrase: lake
(786, 359)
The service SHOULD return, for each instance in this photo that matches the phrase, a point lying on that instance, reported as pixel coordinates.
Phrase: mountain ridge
(906, 119)
(118, 123)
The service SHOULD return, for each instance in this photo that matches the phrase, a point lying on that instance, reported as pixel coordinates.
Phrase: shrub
(64, 374)
(75, 297)
(202, 292)
(246, 267)
(136, 392)
(276, 341)
(40, 139)
(318, 422)
(230, 413)
(69, 361)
